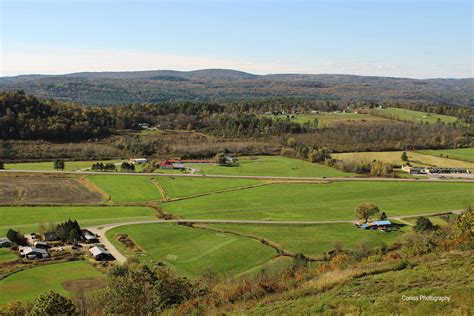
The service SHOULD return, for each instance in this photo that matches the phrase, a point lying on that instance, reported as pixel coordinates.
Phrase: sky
(397, 38)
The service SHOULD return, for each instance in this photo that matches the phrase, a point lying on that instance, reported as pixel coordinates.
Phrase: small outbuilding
(100, 254)
(5, 243)
(50, 236)
(33, 253)
(41, 244)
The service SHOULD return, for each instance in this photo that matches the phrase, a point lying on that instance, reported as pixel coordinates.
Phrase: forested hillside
(110, 88)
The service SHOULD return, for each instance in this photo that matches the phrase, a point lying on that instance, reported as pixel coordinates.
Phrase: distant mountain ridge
(105, 88)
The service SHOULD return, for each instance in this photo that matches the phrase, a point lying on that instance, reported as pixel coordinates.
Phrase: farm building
(50, 236)
(135, 161)
(5, 243)
(33, 253)
(413, 170)
(377, 224)
(100, 254)
(434, 170)
(179, 163)
(41, 244)
(88, 237)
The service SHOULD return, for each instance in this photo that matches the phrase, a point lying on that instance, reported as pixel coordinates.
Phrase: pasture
(26, 285)
(330, 119)
(273, 166)
(123, 188)
(314, 240)
(180, 187)
(190, 251)
(464, 154)
(27, 219)
(413, 116)
(17, 190)
(49, 165)
(7, 255)
(415, 158)
(331, 201)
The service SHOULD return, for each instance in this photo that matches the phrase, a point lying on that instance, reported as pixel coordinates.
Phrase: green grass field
(415, 158)
(124, 188)
(464, 154)
(329, 119)
(27, 218)
(48, 165)
(180, 187)
(333, 201)
(314, 240)
(414, 116)
(190, 251)
(273, 166)
(7, 255)
(28, 284)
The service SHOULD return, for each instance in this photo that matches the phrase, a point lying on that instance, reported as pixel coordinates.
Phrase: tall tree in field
(366, 210)
(404, 156)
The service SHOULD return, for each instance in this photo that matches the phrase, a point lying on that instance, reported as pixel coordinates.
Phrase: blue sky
(419, 38)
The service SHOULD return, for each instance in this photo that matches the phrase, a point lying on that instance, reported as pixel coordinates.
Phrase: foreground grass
(180, 187)
(314, 240)
(332, 201)
(123, 188)
(415, 158)
(28, 284)
(190, 251)
(371, 294)
(273, 166)
(7, 255)
(28, 218)
(465, 154)
(413, 116)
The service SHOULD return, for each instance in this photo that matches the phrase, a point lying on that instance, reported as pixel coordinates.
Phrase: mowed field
(28, 284)
(272, 166)
(319, 202)
(314, 240)
(191, 251)
(176, 187)
(123, 188)
(7, 255)
(330, 119)
(49, 165)
(17, 190)
(414, 116)
(28, 218)
(465, 154)
(415, 158)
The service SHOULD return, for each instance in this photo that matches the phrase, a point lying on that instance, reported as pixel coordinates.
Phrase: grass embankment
(415, 158)
(413, 116)
(314, 240)
(181, 187)
(332, 201)
(28, 284)
(190, 251)
(273, 166)
(28, 218)
(123, 188)
(365, 290)
(464, 154)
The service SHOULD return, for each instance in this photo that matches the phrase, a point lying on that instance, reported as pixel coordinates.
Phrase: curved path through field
(101, 230)
(433, 179)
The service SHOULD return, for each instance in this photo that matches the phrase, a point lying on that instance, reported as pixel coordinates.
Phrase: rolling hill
(106, 88)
